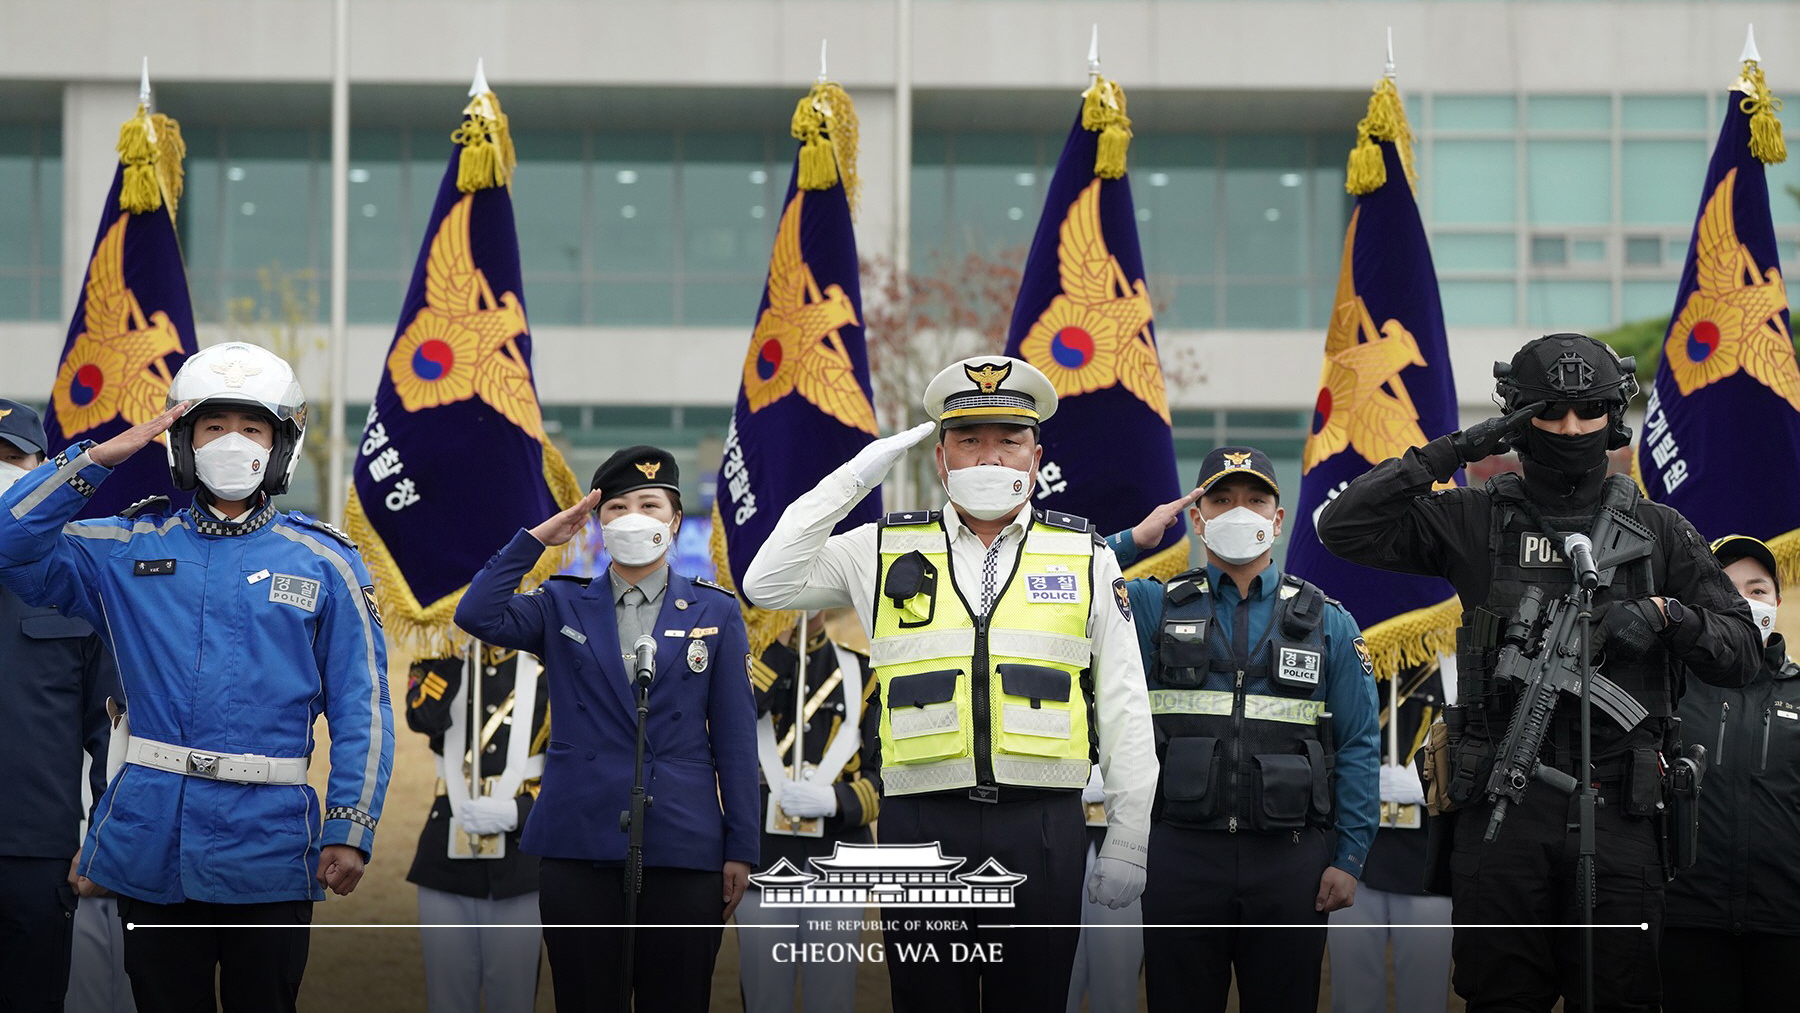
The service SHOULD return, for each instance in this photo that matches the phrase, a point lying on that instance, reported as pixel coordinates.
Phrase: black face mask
(1572, 457)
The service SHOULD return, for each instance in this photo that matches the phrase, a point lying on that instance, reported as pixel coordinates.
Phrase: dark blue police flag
(1721, 434)
(805, 405)
(134, 326)
(1386, 386)
(1083, 317)
(454, 459)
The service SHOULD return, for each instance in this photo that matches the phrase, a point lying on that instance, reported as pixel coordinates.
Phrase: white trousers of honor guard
(97, 982)
(770, 983)
(1109, 956)
(462, 963)
(1359, 953)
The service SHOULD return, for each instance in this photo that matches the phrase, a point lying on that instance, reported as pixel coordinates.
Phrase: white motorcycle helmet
(235, 374)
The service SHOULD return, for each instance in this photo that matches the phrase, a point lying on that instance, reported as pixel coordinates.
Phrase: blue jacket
(231, 638)
(1348, 686)
(700, 741)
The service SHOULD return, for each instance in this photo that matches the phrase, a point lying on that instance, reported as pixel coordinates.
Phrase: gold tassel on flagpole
(171, 150)
(1766, 142)
(1384, 121)
(138, 191)
(825, 124)
(1103, 111)
(762, 626)
(487, 158)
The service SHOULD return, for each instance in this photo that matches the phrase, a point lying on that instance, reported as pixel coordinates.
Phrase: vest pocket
(1190, 779)
(1181, 653)
(923, 716)
(1283, 791)
(1035, 719)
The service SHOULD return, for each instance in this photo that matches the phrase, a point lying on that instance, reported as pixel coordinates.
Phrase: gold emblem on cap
(649, 468)
(4, 412)
(990, 376)
(1237, 460)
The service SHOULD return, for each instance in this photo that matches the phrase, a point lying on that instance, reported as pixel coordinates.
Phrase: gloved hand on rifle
(1626, 630)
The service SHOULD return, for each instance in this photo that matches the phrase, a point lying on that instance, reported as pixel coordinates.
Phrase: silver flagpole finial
(1094, 51)
(480, 87)
(1750, 53)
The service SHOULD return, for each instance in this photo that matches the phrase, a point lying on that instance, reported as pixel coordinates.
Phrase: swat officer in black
(1662, 616)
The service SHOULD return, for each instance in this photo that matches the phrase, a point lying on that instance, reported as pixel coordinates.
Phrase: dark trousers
(1715, 971)
(257, 963)
(1526, 876)
(1043, 837)
(37, 925)
(1216, 878)
(671, 967)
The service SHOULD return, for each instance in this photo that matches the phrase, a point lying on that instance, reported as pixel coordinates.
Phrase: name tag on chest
(1538, 550)
(1052, 587)
(296, 591)
(1297, 667)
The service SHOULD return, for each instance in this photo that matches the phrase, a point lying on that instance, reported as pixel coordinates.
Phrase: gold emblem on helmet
(990, 376)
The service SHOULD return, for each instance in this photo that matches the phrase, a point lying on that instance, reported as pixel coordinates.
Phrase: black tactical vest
(1243, 742)
(1523, 557)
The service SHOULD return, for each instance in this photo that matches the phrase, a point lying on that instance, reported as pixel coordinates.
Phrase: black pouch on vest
(1190, 779)
(1182, 652)
(1643, 783)
(1295, 668)
(1283, 791)
(921, 688)
(1036, 683)
(908, 577)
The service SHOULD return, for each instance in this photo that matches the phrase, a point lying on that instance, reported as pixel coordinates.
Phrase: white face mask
(232, 467)
(636, 539)
(9, 473)
(1239, 535)
(988, 491)
(1764, 614)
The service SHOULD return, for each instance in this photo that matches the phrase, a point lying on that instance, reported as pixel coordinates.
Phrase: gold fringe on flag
(428, 630)
(1413, 638)
(1103, 111)
(1787, 556)
(1384, 121)
(487, 158)
(825, 125)
(763, 626)
(1766, 142)
(1160, 565)
(151, 151)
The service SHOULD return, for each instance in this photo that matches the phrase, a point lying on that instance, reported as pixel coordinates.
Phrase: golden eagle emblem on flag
(1096, 333)
(1363, 404)
(796, 345)
(115, 367)
(1732, 319)
(461, 344)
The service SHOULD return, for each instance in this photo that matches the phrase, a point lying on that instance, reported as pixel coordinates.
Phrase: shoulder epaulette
(900, 517)
(308, 520)
(149, 504)
(572, 578)
(703, 582)
(1070, 522)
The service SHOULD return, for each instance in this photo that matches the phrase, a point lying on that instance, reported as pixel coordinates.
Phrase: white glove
(1115, 882)
(806, 800)
(489, 816)
(1096, 789)
(1401, 784)
(872, 463)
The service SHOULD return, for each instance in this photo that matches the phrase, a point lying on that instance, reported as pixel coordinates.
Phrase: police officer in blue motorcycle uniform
(52, 707)
(1267, 729)
(235, 625)
(701, 834)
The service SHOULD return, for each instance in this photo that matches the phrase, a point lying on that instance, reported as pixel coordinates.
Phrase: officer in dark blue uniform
(1267, 729)
(53, 694)
(701, 834)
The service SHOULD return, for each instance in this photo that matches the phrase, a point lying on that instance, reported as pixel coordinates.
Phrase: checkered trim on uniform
(207, 524)
(354, 815)
(76, 482)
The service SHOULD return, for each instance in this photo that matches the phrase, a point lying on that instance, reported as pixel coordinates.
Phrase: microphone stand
(632, 822)
(1587, 798)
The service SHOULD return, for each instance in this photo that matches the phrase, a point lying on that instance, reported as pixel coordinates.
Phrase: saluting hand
(1148, 533)
(564, 526)
(113, 452)
(1493, 436)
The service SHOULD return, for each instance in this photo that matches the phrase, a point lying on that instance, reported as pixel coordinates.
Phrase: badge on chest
(1297, 667)
(1052, 587)
(696, 655)
(296, 591)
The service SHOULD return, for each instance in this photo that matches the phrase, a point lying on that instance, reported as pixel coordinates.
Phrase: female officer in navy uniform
(701, 836)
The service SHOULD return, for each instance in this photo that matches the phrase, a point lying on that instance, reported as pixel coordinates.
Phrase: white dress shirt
(803, 565)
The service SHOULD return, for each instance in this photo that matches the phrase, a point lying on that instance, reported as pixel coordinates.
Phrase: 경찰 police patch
(1052, 587)
(296, 591)
(1296, 666)
(1123, 597)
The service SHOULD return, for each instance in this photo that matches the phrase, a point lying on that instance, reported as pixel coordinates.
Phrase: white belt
(243, 768)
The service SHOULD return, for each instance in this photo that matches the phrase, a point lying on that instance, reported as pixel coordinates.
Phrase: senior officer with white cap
(1007, 661)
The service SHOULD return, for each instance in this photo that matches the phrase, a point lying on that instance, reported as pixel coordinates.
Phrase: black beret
(637, 468)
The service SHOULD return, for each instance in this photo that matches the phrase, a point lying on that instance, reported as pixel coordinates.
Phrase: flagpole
(340, 251)
(901, 482)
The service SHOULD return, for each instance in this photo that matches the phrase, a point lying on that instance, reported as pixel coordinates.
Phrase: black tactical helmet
(1571, 369)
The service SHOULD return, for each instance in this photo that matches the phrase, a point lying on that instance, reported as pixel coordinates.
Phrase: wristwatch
(1674, 612)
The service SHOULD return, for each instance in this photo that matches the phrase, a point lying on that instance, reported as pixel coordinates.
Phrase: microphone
(644, 658)
(1580, 552)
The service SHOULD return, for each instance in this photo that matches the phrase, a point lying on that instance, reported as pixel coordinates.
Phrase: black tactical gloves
(1494, 436)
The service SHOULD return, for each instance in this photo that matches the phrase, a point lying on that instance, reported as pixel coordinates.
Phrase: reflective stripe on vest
(1218, 703)
(1037, 711)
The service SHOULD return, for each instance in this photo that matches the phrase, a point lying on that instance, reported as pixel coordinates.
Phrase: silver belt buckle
(202, 764)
